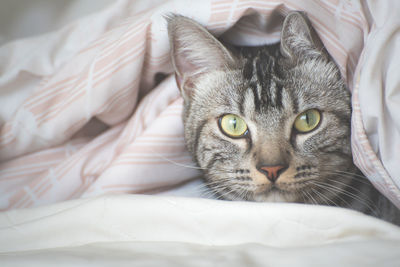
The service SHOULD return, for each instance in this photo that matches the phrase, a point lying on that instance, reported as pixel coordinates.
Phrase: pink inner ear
(187, 63)
(195, 51)
(187, 71)
(185, 85)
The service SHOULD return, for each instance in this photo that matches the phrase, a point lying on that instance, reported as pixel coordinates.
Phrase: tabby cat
(270, 123)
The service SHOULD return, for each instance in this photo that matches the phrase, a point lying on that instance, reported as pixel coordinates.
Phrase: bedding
(88, 122)
(138, 230)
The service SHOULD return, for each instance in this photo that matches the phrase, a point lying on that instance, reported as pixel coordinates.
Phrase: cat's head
(267, 123)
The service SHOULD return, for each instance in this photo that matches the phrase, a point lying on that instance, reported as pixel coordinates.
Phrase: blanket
(138, 230)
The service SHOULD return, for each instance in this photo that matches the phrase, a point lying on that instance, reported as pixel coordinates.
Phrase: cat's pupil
(234, 123)
(307, 119)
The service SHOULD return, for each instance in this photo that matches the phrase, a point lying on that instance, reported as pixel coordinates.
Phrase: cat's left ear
(194, 52)
(299, 39)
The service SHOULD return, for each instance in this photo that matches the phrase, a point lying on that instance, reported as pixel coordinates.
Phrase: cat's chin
(272, 196)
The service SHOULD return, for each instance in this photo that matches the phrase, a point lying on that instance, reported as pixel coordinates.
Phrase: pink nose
(273, 172)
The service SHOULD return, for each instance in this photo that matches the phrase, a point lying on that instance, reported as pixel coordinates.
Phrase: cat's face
(265, 124)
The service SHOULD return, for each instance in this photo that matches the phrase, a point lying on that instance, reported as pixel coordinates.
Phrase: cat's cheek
(240, 144)
(305, 141)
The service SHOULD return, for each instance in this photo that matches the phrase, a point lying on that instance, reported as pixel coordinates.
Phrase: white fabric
(21, 19)
(140, 230)
(379, 92)
(73, 122)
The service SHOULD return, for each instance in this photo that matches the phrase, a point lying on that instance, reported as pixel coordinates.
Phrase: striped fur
(269, 87)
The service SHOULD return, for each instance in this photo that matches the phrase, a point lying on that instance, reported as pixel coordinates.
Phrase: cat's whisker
(337, 194)
(334, 169)
(174, 162)
(332, 191)
(323, 198)
(186, 165)
(203, 190)
(219, 180)
(369, 205)
(356, 190)
(248, 194)
(366, 202)
(208, 194)
(311, 198)
(242, 193)
(312, 195)
(304, 197)
(209, 189)
(217, 186)
(213, 192)
(227, 193)
(308, 198)
(359, 192)
(350, 175)
(222, 183)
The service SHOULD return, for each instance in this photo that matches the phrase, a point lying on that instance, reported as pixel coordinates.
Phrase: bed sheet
(138, 230)
(83, 113)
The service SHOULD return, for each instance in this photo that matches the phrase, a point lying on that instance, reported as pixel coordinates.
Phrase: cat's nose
(272, 172)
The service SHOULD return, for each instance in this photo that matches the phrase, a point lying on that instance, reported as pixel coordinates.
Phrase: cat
(270, 123)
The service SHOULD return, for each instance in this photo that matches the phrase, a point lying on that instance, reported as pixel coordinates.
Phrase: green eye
(233, 126)
(307, 121)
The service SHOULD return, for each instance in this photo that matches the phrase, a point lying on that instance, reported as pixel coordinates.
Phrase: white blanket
(172, 231)
(81, 113)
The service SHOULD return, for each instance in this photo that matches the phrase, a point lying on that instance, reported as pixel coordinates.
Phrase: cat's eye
(233, 126)
(307, 120)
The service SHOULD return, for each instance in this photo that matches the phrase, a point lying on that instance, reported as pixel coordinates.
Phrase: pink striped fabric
(96, 122)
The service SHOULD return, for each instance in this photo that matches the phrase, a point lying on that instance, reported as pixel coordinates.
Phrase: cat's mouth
(273, 193)
(279, 192)
(284, 190)
(274, 188)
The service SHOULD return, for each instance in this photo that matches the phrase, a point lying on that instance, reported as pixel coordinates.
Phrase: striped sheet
(50, 150)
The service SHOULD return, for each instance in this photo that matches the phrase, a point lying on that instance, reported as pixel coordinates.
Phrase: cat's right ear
(299, 39)
(194, 52)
